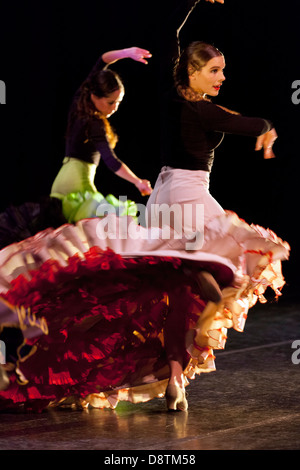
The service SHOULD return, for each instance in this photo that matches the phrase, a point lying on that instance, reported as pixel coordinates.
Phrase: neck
(191, 94)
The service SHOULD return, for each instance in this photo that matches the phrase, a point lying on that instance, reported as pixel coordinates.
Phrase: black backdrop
(47, 49)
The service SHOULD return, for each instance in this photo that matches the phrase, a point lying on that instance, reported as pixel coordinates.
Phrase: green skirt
(74, 186)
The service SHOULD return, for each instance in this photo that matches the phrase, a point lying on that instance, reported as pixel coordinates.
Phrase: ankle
(178, 381)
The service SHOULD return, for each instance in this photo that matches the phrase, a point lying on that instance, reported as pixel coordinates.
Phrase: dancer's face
(109, 104)
(209, 79)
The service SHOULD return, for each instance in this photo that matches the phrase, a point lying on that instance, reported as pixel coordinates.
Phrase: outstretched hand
(266, 142)
(138, 54)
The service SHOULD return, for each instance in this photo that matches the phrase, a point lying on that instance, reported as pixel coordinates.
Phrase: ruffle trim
(69, 255)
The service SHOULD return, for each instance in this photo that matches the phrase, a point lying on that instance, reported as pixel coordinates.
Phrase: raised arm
(169, 42)
(183, 11)
(134, 53)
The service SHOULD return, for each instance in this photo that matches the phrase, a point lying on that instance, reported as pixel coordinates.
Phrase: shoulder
(96, 128)
(96, 123)
(212, 109)
(205, 104)
(201, 108)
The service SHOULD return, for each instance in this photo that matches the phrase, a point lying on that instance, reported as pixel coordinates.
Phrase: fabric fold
(92, 300)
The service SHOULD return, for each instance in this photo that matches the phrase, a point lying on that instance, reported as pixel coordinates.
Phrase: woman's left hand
(144, 186)
(266, 142)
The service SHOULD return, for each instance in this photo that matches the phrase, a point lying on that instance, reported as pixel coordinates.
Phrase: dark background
(48, 48)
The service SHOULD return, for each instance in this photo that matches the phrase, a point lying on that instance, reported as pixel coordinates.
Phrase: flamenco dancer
(110, 315)
(74, 195)
(90, 137)
(192, 128)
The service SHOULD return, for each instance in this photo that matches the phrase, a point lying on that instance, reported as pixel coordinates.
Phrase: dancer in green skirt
(91, 137)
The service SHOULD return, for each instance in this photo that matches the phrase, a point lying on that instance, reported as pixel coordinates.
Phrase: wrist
(125, 53)
(112, 56)
(137, 182)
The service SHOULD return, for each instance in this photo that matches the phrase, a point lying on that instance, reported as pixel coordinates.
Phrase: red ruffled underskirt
(103, 318)
(100, 317)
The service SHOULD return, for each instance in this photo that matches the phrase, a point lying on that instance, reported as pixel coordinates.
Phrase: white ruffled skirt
(92, 300)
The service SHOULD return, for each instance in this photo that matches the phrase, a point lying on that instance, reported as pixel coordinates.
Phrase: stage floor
(250, 403)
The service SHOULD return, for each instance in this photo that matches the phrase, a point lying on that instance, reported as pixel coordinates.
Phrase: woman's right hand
(144, 186)
(266, 142)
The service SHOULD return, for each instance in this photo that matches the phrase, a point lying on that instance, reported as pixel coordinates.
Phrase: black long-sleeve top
(87, 139)
(192, 130)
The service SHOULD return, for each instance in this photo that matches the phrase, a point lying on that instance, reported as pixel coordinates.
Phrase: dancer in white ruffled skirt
(110, 310)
